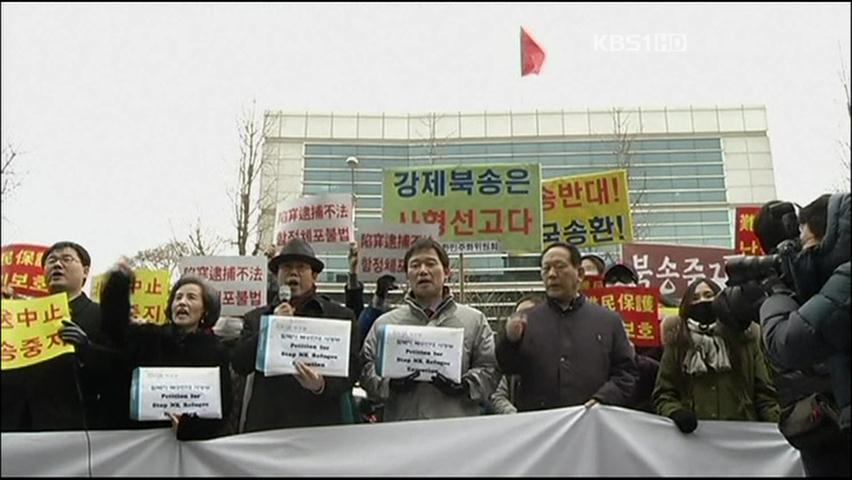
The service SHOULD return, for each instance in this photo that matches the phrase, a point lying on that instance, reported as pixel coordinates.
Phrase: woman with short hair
(186, 340)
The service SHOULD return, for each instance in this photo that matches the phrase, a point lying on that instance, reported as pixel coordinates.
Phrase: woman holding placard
(152, 352)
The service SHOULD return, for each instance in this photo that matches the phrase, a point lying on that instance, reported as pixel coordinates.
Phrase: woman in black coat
(186, 341)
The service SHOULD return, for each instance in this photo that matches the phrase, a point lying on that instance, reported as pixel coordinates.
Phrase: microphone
(285, 293)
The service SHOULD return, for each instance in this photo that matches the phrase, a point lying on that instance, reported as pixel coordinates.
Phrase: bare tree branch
(168, 255)
(845, 147)
(247, 198)
(623, 152)
(162, 257)
(197, 244)
(10, 178)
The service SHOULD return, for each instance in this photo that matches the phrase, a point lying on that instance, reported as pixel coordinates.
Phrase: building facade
(687, 169)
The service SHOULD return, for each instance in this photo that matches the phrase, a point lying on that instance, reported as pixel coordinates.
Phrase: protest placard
(157, 391)
(671, 268)
(319, 343)
(745, 239)
(478, 208)
(587, 210)
(404, 349)
(591, 281)
(382, 248)
(240, 280)
(22, 270)
(30, 330)
(326, 221)
(149, 294)
(638, 308)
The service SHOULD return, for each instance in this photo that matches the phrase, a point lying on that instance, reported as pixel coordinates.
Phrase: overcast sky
(125, 115)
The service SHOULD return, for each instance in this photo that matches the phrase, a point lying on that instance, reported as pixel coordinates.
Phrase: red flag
(532, 55)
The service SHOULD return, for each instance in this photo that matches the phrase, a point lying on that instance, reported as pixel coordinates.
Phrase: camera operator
(803, 303)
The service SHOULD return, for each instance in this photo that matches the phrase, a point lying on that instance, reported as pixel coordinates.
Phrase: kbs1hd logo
(649, 42)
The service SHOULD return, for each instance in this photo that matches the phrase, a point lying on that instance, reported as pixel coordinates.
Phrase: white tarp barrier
(570, 441)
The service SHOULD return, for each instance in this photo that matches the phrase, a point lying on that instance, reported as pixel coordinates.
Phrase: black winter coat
(148, 345)
(46, 396)
(566, 358)
(280, 401)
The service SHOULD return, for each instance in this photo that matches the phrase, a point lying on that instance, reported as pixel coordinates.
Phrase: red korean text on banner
(22, 270)
(745, 237)
(638, 309)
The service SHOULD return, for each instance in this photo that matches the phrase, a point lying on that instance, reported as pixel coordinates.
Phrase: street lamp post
(352, 163)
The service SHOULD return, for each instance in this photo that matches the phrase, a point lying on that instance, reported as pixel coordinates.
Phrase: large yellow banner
(148, 297)
(587, 210)
(30, 330)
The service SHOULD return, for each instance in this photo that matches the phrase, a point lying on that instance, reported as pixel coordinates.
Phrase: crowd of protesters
(555, 350)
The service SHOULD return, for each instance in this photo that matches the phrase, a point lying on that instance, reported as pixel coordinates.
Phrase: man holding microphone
(305, 398)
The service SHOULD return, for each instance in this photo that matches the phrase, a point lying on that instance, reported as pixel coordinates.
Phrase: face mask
(702, 312)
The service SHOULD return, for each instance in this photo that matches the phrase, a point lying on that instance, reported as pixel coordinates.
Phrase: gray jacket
(479, 365)
(501, 399)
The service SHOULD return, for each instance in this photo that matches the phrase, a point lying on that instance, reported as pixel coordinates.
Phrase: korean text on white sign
(321, 344)
(327, 221)
(240, 280)
(155, 392)
(404, 349)
(383, 247)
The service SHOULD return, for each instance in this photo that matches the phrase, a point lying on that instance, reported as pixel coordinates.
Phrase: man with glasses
(61, 393)
(306, 398)
(567, 351)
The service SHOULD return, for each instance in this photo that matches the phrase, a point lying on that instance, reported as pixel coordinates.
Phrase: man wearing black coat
(62, 393)
(306, 398)
(570, 352)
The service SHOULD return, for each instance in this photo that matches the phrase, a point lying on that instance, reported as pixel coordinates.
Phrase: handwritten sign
(319, 343)
(745, 238)
(671, 268)
(22, 269)
(30, 330)
(638, 308)
(405, 349)
(587, 210)
(155, 392)
(481, 207)
(383, 247)
(240, 280)
(326, 221)
(149, 294)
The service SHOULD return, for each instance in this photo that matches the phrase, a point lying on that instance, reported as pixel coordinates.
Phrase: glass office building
(687, 167)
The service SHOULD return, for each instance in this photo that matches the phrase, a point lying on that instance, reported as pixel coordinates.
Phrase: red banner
(638, 309)
(591, 281)
(22, 269)
(745, 238)
(671, 268)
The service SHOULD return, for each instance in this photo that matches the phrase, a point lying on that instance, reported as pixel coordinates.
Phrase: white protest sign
(240, 280)
(319, 343)
(382, 248)
(156, 391)
(404, 349)
(326, 221)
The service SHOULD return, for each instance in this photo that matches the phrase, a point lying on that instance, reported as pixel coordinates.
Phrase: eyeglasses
(65, 259)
